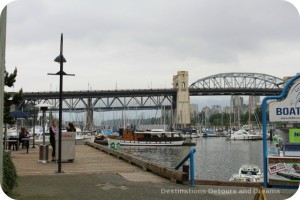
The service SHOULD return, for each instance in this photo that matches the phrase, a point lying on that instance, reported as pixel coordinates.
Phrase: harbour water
(216, 158)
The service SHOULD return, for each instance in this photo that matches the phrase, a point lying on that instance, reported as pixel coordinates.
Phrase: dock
(103, 173)
(87, 161)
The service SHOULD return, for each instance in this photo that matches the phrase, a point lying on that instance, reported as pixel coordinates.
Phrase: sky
(130, 44)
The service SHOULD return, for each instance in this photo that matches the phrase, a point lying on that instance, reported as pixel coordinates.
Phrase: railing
(192, 168)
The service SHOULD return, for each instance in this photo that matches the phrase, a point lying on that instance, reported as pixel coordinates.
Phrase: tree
(216, 119)
(9, 98)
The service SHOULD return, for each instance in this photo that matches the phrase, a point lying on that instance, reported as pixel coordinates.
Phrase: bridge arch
(238, 81)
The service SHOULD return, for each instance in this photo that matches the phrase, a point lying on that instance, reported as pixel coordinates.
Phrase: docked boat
(248, 173)
(155, 137)
(208, 133)
(243, 135)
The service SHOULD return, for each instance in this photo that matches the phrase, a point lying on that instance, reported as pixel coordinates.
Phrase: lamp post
(44, 147)
(33, 131)
(60, 59)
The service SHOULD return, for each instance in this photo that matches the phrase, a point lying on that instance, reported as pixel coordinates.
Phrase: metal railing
(192, 163)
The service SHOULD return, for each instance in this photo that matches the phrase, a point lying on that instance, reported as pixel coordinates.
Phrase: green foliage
(18, 97)
(9, 174)
(220, 119)
(215, 119)
(9, 81)
(8, 119)
(9, 169)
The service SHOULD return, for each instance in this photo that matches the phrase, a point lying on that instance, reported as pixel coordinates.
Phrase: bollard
(186, 169)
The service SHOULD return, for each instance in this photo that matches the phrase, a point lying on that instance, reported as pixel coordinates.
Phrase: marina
(216, 158)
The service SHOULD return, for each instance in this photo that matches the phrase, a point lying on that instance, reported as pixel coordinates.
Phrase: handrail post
(192, 168)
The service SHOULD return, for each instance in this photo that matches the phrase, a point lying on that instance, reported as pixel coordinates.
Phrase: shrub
(9, 174)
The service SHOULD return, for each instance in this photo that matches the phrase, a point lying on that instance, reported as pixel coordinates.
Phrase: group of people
(53, 131)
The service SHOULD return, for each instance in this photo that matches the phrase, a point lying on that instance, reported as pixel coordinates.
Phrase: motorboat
(243, 135)
(248, 173)
(189, 133)
(238, 178)
(208, 133)
(155, 137)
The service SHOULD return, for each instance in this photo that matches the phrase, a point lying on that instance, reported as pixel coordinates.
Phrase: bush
(9, 174)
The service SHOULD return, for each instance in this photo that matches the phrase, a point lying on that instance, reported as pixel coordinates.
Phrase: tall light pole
(60, 59)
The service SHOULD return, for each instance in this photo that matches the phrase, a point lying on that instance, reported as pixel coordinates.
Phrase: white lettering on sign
(287, 109)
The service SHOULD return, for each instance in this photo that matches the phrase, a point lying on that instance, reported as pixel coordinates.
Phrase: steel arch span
(238, 81)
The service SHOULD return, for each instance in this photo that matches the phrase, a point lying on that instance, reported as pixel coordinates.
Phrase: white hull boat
(248, 173)
(244, 135)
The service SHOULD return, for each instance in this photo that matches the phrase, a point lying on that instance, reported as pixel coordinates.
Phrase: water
(216, 158)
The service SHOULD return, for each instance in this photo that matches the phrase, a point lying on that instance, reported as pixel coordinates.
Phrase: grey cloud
(195, 33)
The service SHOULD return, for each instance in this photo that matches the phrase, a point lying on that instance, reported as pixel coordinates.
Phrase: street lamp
(60, 59)
(43, 148)
(33, 129)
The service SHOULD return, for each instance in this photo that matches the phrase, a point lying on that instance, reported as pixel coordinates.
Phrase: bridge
(247, 84)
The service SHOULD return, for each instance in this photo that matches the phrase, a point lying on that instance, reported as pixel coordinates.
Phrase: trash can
(43, 153)
(67, 146)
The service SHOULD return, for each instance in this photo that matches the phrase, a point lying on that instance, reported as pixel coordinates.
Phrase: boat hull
(148, 143)
(249, 137)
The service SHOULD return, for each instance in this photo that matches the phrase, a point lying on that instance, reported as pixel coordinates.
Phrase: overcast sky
(132, 44)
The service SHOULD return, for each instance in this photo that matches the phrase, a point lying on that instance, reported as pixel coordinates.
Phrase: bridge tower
(182, 111)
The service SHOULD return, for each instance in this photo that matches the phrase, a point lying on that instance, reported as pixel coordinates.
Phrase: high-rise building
(236, 104)
(216, 109)
(254, 101)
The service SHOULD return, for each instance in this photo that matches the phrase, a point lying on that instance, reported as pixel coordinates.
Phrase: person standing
(71, 127)
(23, 134)
(53, 131)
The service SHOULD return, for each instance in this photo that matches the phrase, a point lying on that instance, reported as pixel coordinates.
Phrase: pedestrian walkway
(97, 175)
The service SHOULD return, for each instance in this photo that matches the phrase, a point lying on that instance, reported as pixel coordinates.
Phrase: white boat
(248, 173)
(155, 137)
(238, 178)
(243, 135)
(79, 136)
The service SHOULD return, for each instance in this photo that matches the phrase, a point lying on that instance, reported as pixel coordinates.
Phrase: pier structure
(176, 99)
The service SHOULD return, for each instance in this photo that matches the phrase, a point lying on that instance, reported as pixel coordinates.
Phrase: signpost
(279, 170)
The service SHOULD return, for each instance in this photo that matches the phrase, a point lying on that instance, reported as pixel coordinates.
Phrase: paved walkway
(96, 175)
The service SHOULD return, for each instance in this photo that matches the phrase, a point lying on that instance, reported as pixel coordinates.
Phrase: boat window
(249, 172)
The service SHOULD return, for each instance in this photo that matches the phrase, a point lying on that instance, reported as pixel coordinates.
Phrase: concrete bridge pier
(182, 111)
(89, 115)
